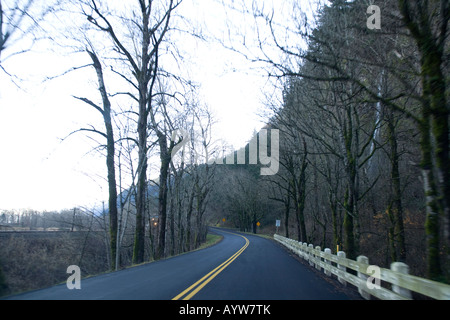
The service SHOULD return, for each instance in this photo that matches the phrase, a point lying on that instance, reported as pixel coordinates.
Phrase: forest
(363, 120)
(360, 101)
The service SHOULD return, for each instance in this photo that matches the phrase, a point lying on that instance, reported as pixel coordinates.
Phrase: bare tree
(138, 48)
(105, 111)
(21, 19)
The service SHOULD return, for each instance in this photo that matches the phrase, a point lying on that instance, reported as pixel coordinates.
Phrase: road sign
(258, 224)
(277, 223)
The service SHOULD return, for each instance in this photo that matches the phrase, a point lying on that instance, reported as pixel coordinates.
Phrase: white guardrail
(369, 278)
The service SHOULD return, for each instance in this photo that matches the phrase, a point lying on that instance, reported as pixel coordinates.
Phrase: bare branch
(92, 104)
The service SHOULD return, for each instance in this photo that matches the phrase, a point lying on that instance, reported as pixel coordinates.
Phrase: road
(240, 267)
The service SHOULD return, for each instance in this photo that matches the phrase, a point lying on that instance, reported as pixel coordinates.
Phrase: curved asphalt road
(240, 267)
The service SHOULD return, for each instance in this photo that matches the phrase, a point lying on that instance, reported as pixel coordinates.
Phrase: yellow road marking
(196, 287)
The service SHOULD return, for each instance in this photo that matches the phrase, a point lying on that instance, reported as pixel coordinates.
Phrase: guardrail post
(327, 261)
(318, 258)
(362, 292)
(341, 254)
(298, 248)
(401, 268)
(310, 254)
(291, 245)
(305, 250)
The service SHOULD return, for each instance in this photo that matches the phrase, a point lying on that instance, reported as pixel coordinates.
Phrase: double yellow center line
(196, 287)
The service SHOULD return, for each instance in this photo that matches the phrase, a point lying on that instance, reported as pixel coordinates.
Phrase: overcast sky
(39, 171)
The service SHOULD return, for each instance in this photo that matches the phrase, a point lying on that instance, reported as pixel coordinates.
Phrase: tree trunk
(190, 208)
(172, 220)
(165, 157)
(395, 210)
(162, 205)
(141, 186)
(336, 220)
(430, 32)
(349, 241)
(287, 208)
(440, 130)
(110, 157)
(301, 196)
(435, 157)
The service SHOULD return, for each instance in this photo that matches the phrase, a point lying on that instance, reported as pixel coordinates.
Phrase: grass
(211, 239)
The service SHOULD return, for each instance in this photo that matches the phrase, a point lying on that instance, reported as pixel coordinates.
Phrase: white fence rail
(397, 283)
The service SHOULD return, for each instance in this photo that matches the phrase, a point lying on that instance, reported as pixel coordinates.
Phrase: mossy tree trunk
(395, 208)
(299, 189)
(428, 23)
(349, 236)
(287, 209)
(350, 141)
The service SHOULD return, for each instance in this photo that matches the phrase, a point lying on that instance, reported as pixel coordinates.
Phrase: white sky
(40, 172)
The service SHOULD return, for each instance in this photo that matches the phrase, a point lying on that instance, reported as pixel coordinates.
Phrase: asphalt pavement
(240, 267)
